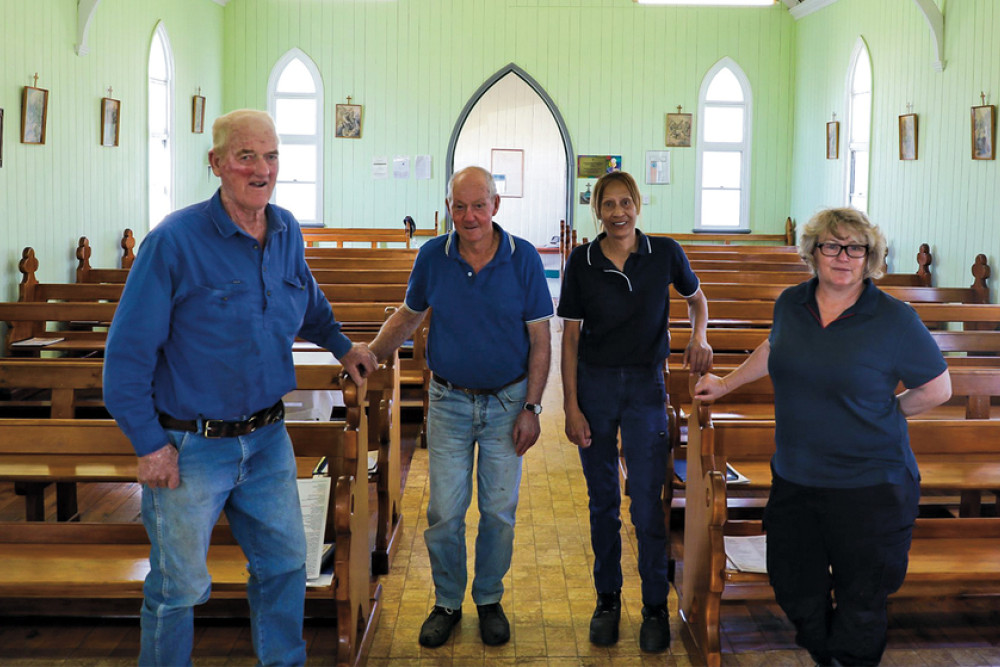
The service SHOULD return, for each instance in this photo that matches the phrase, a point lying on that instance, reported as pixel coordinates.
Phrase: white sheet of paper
(314, 498)
(422, 167)
(747, 554)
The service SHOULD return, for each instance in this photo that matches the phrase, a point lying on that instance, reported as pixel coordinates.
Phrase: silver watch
(533, 407)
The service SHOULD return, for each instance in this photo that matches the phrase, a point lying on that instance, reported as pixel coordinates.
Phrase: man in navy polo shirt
(488, 350)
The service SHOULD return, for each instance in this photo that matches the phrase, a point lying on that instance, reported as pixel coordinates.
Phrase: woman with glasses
(845, 487)
(615, 301)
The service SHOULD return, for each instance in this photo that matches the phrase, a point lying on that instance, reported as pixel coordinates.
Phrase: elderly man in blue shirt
(197, 360)
(488, 350)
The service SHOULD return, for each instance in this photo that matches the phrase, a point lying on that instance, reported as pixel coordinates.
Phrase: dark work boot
(604, 622)
(654, 633)
(437, 628)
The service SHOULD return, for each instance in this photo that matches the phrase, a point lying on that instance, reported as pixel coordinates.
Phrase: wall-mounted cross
(909, 107)
(36, 80)
(109, 91)
(348, 99)
(678, 108)
(982, 96)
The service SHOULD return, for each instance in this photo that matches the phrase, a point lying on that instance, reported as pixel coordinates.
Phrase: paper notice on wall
(422, 164)
(314, 497)
(401, 167)
(380, 168)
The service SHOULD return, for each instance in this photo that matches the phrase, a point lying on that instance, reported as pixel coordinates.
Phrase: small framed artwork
(507, 167)
(984, 123)
(679, 130)
(348, 121)
(197, 114)
(1, 137)
(908, 136)
(833, 140)
(110, 115)
(34, 114)
(595, 166)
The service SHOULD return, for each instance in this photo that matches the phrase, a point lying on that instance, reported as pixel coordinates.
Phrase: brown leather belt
(477, 392)
(219, 428)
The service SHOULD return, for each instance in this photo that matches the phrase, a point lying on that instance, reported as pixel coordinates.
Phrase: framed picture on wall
(679, 130)
(908, 136)
(197, 114)
(1, 137)
(348, 121)
(34, 114)
(833, 140)
(110, 116)
(507, 168)
(984, 123)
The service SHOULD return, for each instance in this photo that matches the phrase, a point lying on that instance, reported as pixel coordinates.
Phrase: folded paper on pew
(747, 554)
(36, 342)
(314, 497)
(733, 476)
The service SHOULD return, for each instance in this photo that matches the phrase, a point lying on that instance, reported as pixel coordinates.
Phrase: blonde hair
(842, 223)
(225, 125)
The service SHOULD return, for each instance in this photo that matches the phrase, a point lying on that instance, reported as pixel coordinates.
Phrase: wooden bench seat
(949, 557)
(340, 235)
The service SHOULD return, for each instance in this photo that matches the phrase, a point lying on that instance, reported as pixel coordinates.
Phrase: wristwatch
(533, 407)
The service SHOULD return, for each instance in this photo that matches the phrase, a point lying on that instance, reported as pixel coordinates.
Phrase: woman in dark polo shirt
(614, 302)
(845, 488)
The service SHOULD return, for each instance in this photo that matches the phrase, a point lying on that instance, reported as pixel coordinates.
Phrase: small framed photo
(197, 114)
(110, 116)
(34, 114)
(833, 140)
(348, 121)
(984, 123)
(679, 130)
(908, 136)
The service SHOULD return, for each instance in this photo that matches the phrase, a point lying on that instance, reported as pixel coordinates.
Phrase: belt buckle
(209, 425)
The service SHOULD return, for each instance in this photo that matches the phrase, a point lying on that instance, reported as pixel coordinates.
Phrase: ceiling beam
(935, 21)
(85, 10)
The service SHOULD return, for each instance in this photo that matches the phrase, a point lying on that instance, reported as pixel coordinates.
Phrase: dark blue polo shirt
(838, 422)
(478, 335)
(625, 313)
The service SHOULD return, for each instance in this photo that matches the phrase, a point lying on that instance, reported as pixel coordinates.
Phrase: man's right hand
(159, 469)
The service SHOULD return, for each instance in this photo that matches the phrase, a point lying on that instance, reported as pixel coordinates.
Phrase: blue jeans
(252, 478)
(632, 399)
(456, 422)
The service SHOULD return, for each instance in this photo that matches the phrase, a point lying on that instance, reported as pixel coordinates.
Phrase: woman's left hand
(698, 356)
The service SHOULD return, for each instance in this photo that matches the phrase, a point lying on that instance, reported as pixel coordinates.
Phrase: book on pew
(36, 342)
(733, 476)
(747, 553)
(314, 498)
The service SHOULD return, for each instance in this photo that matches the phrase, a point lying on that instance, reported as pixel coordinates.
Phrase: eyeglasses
(853, 250)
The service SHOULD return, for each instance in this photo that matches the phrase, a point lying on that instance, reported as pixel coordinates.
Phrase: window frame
(851, 146)
(316, 139)
(160, 35)
(744, 147)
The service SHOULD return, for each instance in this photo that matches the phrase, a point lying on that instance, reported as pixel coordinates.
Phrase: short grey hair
(225, 125)
(486, 176)
(841, 223)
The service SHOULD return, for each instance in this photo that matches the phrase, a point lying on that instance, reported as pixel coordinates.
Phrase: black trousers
(834, 556)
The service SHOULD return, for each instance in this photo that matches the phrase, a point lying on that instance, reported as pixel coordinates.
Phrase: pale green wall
(613, 68)
(944, 198)
(52, 194)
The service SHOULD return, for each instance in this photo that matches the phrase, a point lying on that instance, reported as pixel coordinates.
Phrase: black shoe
(437, 628)
(654, 634)
(604, 622)
(493, 625)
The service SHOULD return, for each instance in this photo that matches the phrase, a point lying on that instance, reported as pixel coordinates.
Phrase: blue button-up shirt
(207, 320)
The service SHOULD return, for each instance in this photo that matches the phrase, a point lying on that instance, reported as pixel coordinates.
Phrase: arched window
(722, 180)
(295, 100)
(161, 127)
(859, 127)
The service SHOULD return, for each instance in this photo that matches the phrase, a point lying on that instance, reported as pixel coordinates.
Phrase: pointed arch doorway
(511, 112)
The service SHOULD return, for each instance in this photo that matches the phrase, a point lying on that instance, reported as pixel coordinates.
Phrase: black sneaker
(493, 625)
(437, 628)
(654, 634)
(604, 622)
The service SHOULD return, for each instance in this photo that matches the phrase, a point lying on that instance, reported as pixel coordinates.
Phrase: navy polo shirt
(838, 421)
(625, 313)
(478, 335)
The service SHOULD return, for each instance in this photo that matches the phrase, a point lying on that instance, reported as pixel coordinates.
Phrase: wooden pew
(87, 274)
(339, 236)
(724, 240)
(360, 253)
(948, 557)
(99, 560)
